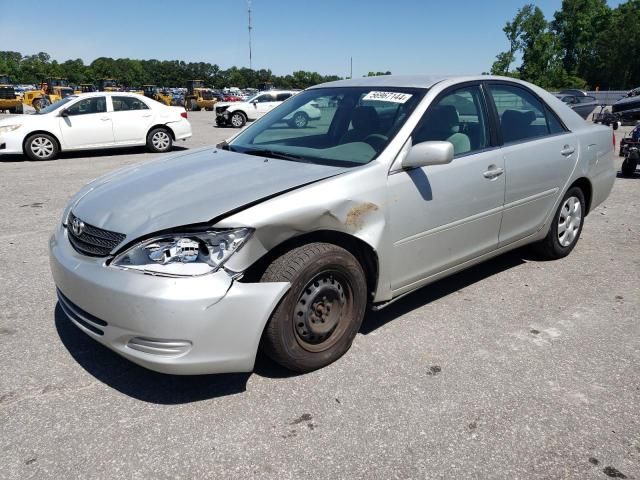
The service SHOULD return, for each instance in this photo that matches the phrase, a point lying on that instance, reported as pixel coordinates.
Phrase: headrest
(365, 118)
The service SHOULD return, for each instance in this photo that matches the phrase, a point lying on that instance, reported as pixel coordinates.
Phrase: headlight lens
(183, 254)
(9, 128)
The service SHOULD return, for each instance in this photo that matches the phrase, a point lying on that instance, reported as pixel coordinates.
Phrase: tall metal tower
(250, 28)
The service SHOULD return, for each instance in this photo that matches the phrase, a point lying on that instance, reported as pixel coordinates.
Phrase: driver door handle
(567, 150)
(493, 172)
(104, 119)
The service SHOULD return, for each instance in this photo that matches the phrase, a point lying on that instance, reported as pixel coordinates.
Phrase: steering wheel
(376, 140)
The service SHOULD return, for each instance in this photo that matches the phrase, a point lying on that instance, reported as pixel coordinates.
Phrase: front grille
(93, 241)
(75, 313)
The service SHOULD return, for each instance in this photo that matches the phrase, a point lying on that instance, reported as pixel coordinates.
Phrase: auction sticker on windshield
(394, 97)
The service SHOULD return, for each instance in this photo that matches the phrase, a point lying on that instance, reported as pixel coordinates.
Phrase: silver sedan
(281, 238)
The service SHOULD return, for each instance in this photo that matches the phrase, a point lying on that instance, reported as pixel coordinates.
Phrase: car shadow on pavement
(146, 385)
(444, 287)
(107, 152)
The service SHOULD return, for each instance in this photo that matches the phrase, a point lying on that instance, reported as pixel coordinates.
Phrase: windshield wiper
(276, 154)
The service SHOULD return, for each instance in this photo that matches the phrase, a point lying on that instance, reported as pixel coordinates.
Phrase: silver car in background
(282, 237)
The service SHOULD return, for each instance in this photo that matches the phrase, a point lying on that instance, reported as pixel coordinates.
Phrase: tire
(41, 146)
(193, 105)
(19, 108)
(560, 240)
(628, 168)
(317, 320)
(159, 140)
(300, 120)
(238, 119)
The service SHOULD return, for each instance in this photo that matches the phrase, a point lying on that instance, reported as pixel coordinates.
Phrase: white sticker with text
(394, 97)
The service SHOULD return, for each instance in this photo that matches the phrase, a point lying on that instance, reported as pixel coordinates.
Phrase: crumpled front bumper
(184, 326)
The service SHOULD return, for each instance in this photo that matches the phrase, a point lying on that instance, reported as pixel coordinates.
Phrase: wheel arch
(35, 132)
(164, 126)
(361, 250)
(584, 184)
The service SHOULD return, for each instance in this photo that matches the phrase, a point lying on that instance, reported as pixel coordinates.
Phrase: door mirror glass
(428, 153)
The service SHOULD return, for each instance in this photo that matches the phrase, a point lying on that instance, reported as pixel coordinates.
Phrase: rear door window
(522, 116)
(122, 104)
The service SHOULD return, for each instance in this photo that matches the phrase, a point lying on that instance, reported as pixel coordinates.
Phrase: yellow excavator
(9, 99)
(86, 88)
(51, 90)
(157, 94)
(108, 85)
(198, 96)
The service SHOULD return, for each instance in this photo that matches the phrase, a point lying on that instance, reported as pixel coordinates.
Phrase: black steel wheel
(318, 318)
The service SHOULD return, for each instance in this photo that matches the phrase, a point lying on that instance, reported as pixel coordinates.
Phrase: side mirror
(254, 102)
(64, 113)
(428, 153)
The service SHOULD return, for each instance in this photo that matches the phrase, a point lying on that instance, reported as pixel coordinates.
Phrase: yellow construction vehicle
(85, 88)
(51, 90)
(9, 99)
(198, 96)
(108, 85)
(157, 94)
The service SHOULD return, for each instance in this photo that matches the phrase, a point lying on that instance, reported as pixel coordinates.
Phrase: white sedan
(94, 120)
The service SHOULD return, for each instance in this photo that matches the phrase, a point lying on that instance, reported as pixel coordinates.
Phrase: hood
(191, 188)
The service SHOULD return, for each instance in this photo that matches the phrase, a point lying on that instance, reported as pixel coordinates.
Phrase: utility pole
(250, 28)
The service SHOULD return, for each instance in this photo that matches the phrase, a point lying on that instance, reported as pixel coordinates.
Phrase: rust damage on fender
(355, 216)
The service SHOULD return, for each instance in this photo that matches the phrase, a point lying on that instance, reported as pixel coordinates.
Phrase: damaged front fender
(352, 203)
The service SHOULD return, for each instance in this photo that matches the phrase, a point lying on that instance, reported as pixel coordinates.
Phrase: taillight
(183, 114)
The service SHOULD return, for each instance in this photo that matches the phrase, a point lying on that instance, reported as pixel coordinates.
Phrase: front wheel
(318, 318)
(159, 140)
(41, 146)
(300, 120)
(566, 227)
(238, 119)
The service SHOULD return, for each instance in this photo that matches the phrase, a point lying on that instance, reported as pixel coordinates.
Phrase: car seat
(516, 125)
(365, 122)
(443, 124)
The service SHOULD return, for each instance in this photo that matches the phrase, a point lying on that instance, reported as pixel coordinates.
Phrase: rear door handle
(104, 119)
(567, 150)
(493, 172)
(147, 116)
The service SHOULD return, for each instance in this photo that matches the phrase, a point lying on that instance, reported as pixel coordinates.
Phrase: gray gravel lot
(514, 369)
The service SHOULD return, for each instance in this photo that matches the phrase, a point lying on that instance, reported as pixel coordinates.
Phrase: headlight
(183, 254)
(9, 128)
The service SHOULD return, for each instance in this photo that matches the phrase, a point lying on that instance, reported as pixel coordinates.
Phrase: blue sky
(404, 36)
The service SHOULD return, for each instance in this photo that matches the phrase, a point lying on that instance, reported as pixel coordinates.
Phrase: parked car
(94, 120)
(281, 240)
(583, 105)
(238, 113)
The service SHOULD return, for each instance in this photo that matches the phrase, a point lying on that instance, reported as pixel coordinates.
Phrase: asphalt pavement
(517, 368)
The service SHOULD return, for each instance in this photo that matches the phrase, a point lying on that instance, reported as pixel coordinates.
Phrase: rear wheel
(566, 227)
(318, 318)
(238, 119)
(41, 146)
(159, 140)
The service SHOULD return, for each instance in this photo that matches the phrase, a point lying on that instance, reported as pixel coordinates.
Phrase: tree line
(32, 69)
(587, 44)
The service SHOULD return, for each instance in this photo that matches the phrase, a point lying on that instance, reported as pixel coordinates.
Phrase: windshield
(345, 126)
(56, 105)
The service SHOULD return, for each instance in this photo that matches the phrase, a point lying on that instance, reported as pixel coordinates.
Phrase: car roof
(409, 81)
(110, 94)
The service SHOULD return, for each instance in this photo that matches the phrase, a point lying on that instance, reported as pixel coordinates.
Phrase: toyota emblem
(77, 227)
